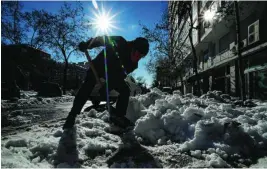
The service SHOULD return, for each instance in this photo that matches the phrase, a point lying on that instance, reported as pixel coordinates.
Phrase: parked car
(96, 97)
(167, 90)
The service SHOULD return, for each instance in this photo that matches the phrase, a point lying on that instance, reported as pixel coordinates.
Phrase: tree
(168, 51)
(35, 22)
(240, 60)
(64, 32)
(184, 11)
(11, 22)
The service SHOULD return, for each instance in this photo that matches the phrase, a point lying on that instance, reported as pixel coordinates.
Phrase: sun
(103, 22)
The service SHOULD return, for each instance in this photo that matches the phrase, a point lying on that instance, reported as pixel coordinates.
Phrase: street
(39, 114)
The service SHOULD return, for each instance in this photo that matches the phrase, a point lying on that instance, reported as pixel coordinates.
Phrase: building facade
(215, 45)
(29, 67)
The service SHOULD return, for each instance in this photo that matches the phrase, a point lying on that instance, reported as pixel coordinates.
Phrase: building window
(253, 32)
(224, 43)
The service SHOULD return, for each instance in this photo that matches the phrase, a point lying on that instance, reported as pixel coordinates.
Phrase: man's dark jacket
(118, 53)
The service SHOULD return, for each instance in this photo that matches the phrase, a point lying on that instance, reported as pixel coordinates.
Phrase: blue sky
(130, 13)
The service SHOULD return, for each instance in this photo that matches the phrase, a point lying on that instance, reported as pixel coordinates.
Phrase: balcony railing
(218, 59)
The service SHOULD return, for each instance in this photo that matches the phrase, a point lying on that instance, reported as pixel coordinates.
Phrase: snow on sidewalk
(203, 131)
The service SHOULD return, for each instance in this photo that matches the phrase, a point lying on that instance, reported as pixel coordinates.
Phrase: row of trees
(58, 32)
(170, 50)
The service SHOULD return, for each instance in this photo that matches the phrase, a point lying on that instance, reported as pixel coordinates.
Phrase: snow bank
(209, 122)
(210, 129)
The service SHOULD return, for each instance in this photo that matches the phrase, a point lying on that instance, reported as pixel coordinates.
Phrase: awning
(256, 68)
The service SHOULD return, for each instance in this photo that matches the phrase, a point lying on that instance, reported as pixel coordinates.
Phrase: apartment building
(29, 67)
(215, 44)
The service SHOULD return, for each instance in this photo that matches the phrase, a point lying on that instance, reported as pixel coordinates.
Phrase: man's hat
(141, 44)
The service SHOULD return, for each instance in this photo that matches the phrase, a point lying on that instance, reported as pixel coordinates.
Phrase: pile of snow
(210, 132)
(220, 126)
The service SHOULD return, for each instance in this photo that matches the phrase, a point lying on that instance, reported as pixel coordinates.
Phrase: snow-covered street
(170, 131)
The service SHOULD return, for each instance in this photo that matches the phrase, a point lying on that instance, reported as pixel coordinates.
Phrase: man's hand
(83, 46)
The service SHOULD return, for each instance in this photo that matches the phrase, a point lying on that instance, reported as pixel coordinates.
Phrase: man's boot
(120, 121)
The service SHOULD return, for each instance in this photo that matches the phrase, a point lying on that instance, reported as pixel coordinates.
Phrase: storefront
(256, 80)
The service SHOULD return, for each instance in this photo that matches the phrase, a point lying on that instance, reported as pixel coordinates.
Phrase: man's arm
(99, 41)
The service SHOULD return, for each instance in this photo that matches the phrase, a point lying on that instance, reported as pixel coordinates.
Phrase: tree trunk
(65, 76)
(182, 83)
(194, 60)
(240, 60)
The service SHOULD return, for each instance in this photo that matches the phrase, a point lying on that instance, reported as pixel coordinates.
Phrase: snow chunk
(193, 114)
(135, 109)
(16, 143)
(216, 161)
(96, 147)
(149, 127)
(14, 160)
(43, 149)
(91, 113)
(205, 132)
(173, 99)
(93, 132)
(196, 153)
(226, 107)
(261, 163)
(149, 98)
(58, 133)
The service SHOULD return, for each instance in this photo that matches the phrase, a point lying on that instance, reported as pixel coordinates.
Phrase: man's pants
(87, 87)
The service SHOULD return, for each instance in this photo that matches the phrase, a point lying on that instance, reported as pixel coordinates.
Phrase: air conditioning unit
(243, 43)
(233, 47)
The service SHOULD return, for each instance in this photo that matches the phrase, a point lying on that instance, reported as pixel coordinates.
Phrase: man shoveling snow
(115, 62)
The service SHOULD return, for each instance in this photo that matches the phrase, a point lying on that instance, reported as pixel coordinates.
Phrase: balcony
(223, 58)
(217, 60)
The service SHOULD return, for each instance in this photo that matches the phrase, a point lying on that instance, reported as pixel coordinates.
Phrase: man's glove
(83, 46)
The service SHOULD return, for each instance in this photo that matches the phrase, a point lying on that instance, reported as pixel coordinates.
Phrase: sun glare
(103, 22)
(208, 15)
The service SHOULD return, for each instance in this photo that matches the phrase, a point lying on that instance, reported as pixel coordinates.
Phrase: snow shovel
(99, 81)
